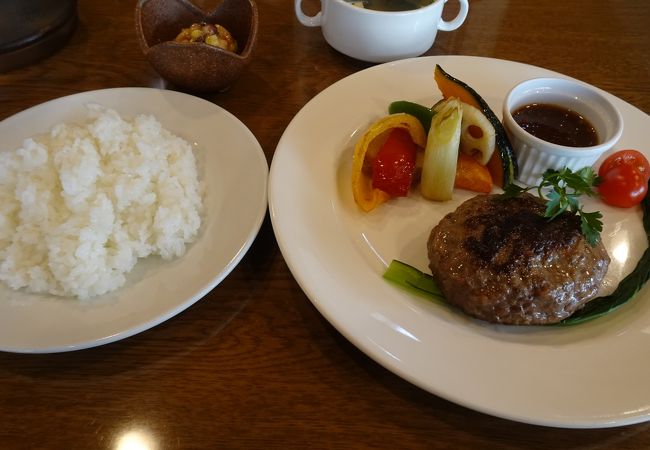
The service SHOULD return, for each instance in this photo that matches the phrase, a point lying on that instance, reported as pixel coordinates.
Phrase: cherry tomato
(623, 186)
(633, 158)
(394, 164)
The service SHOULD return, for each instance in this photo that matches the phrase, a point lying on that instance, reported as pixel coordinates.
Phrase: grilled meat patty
(500, 260)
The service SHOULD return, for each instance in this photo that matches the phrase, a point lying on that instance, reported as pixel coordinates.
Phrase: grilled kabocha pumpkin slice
(503, 163)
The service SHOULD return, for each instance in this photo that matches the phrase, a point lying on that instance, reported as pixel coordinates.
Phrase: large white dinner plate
(591, 375)
(233, 171)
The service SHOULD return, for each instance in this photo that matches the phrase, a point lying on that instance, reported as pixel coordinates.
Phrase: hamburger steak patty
(500, 260)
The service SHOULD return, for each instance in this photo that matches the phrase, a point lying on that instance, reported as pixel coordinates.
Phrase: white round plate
(228, 156)
(590, 375)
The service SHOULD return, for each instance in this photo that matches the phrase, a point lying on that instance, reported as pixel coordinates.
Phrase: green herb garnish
(566, 187)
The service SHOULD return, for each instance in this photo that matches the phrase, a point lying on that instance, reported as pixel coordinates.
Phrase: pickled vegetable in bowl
(192, 63)
(214, 35)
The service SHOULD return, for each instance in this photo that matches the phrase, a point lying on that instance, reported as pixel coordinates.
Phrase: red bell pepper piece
(394, 164)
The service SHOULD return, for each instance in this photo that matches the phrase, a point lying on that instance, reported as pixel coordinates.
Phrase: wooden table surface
(253, 364)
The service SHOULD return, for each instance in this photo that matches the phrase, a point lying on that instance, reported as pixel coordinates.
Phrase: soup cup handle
(450, 25)
(308, 21)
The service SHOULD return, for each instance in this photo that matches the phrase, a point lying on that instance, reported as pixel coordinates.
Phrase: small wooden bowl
(197, 67)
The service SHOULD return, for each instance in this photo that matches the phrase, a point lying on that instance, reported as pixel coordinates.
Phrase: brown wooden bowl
(197, 67)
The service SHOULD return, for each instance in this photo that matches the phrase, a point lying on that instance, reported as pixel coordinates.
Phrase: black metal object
(31, 30)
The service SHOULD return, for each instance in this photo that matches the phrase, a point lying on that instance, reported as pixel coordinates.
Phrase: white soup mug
(380, 36)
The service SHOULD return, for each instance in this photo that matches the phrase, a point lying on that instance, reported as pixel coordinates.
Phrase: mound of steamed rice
(80, 205)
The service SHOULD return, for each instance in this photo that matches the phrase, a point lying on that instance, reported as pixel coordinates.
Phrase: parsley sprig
(566, 187)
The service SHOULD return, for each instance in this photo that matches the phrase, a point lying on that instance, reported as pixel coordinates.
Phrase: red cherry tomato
(633, 158)
(394, 164)
(623, 186)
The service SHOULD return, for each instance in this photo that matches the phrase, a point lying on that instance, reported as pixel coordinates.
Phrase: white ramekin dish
(534, 155)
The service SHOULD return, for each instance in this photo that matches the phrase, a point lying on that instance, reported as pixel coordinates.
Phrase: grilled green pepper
(423, 113)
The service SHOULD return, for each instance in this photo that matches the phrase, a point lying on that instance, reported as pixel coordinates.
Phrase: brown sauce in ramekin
(556, 124)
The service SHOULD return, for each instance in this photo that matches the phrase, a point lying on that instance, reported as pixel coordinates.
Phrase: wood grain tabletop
(253, 364)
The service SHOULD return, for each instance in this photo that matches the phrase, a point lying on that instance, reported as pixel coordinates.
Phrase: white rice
(80, 205)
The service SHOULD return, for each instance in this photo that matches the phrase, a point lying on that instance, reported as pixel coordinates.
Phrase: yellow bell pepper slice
(365, 196)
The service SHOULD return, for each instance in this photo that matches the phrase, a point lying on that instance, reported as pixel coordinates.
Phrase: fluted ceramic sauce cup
(380, 36)
(536, 155)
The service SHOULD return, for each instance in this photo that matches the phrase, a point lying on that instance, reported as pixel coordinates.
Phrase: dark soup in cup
(392, 5)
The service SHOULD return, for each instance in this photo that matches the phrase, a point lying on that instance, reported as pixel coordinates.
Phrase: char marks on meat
(500, 260)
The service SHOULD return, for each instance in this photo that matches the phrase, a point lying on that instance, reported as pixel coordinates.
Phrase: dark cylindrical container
(33, 29)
